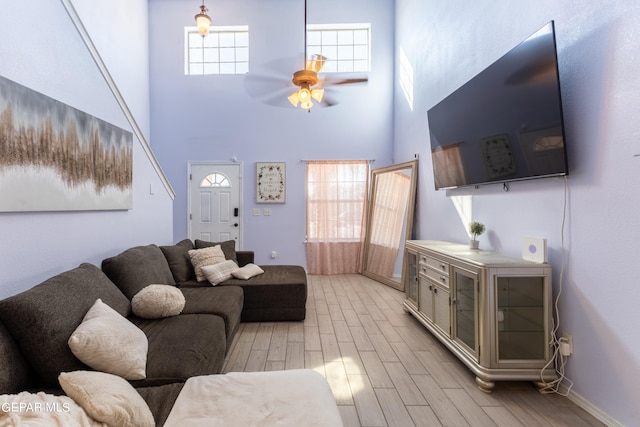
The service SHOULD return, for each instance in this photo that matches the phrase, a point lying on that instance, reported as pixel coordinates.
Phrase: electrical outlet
(274, 254)
(566, 344)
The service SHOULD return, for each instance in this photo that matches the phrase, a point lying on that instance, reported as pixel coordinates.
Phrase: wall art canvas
(270, 182)
(54, 157)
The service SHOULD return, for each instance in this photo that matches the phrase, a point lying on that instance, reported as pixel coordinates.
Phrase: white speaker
(534, 249)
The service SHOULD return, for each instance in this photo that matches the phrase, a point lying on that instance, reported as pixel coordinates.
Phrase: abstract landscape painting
(54, 157)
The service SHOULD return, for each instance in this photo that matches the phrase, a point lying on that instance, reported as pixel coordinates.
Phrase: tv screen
(504, 124)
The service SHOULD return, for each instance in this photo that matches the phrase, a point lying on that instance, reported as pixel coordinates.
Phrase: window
(224, 51)
(336, 195)
(215, 179)
(347, 47)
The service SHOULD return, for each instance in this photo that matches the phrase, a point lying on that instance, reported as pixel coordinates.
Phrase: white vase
(474, 244)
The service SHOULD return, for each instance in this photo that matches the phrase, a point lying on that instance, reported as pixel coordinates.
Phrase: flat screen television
(504, 124)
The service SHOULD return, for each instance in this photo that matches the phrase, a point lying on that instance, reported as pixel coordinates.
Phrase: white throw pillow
(220, 272)
(41, 409)
(247, 272)
(107, 398)
(206, 256)
(108, 342)
(157, 301)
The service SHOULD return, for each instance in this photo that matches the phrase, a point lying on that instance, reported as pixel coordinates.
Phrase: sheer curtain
(390, 206)
(336, 197)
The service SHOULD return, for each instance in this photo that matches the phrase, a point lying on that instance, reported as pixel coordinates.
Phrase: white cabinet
(492, 311)
(435, 300)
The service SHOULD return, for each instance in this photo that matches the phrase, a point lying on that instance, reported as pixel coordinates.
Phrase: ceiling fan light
(317, 94)
(306, 105)
(203, 21)
(294, 99)
(304, 94)
(316, 62)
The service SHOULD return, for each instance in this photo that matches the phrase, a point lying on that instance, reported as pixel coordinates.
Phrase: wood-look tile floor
(385, 368)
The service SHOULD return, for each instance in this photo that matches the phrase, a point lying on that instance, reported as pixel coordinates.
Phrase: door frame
(213, 164)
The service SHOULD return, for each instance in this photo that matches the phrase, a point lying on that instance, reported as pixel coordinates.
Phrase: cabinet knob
(443, 279)
(435, 290)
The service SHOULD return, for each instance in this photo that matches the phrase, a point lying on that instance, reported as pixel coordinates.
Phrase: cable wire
(558, 358)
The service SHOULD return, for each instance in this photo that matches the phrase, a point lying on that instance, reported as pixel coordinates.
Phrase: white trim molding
(84, 34)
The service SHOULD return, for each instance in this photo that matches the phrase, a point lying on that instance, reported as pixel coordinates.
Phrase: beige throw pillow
(40, 409)
(107, 398)
(220, 272)
(108, 342)
(157, 301)
(203, 257)
(247, 272)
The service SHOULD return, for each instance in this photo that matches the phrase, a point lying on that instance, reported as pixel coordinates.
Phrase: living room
(217, 118)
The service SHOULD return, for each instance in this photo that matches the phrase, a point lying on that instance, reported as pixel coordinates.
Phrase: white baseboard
(589, 407)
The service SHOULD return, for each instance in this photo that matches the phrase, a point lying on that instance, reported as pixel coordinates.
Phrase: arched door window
(215, 179)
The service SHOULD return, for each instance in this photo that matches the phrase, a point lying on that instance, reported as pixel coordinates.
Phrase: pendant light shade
(203, 21)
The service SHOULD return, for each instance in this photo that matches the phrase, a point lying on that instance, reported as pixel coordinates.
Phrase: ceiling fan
(309, 86)
(308, 81)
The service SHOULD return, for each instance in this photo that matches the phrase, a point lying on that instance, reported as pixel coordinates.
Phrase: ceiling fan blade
(269, 79)
(346, 81)
(328, 101)
(260, 86)
(279, 99)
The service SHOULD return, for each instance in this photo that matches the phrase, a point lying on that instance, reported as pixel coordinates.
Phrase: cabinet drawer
(438, 277)
(436, 264)
(423, 258)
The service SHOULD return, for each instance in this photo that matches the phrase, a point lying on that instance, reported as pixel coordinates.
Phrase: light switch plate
(534, 249)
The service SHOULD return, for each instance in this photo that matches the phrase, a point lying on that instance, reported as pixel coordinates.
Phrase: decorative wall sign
(498, 156)
(54, 157)
(270, 182)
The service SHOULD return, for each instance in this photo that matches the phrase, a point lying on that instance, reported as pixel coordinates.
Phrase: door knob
(235, 225)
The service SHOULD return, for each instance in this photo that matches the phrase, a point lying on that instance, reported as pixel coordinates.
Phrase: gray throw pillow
(138, 267)
(179, 261)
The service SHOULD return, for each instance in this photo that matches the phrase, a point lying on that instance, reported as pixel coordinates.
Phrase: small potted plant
(475, 228)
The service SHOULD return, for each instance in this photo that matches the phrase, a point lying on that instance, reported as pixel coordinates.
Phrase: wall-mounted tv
(504, 124)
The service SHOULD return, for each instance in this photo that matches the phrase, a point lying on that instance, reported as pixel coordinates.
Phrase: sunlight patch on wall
(464, 207)
(406, 78)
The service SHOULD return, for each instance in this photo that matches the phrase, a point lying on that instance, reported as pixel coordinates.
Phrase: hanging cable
(559, 360)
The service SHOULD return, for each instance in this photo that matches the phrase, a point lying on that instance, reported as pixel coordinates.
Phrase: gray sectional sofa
(36, 324)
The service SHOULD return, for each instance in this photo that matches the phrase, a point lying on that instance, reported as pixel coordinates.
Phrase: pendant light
(203, 21)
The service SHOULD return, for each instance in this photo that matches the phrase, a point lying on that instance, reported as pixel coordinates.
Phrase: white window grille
(215, 179)
(224, 51)
(347, 47)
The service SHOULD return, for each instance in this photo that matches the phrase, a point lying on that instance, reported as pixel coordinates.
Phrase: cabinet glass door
(411, 287)
(465, 308)
(521, 318)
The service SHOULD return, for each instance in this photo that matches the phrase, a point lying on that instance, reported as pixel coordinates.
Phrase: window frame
(189, 30)
(312, 49)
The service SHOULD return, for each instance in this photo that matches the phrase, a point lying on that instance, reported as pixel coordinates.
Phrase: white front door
(215, 192)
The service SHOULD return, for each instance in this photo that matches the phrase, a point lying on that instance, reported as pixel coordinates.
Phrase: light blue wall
(599, 57)
(52, 59)
(220, 117)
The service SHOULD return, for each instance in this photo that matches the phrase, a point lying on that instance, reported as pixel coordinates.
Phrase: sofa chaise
(181, 349)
